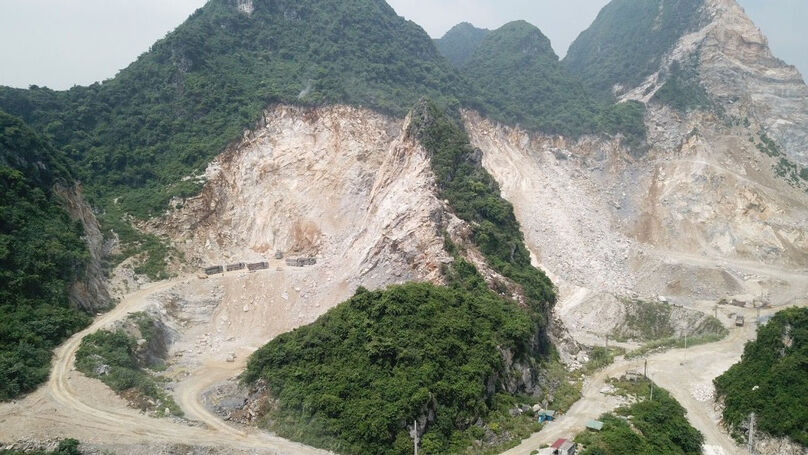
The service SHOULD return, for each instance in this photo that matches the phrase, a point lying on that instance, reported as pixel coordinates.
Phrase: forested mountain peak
(519, 38)
(163, 118)
(628, 40)
(459, 43)
(520, 80)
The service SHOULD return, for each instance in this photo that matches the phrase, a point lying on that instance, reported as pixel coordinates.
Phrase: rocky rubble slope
(340, 184)
(737, 68)
(713, 208)
(700, 217)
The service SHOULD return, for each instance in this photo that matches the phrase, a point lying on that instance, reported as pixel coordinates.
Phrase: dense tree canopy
(474, 196)
(355, 379)
(655, 426)
(771, 379)
(460, 43)
(41, 255)
(518, 79)
(628, 40)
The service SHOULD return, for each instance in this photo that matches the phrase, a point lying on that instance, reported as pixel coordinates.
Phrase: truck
(258, 266)
(739, 321)
(234, 267)
(214, 270)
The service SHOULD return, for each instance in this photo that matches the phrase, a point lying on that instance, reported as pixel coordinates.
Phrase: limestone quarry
(698, 216)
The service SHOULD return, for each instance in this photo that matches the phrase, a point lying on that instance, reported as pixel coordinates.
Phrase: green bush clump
(657, 426)
(682, 89)
(110, 357)
(41, 255)
(66, 447)
(353, 380)
(771, 380)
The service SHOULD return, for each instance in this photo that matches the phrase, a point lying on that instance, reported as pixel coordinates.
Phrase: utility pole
(715, 311)
(750, 442)
(415, 436)
(645, 370)
(685, 359)
(652, 390)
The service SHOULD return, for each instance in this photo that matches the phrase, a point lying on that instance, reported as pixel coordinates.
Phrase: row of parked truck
(253, 267)
(217, 269)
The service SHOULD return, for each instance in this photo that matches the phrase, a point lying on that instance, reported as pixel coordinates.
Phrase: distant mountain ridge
(460, 42)
(628, 40)
(518, 79)
(163, 118)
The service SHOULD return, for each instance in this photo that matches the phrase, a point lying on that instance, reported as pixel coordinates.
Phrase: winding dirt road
(680, 371)
(123, 425)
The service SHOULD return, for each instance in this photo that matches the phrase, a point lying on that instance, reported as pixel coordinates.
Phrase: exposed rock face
(737, 68)
(774, 446)
(705, 213)
(245, 6)
(341, 184)
(90, 293)
(701, 216)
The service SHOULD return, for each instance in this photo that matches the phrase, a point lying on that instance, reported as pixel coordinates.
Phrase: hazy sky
(61, 43)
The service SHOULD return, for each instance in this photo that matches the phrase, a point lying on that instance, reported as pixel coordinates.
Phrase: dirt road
(682, 372)
(59, 403)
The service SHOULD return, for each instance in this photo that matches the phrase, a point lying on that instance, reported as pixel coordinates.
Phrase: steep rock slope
(714, 208)
(340, 184)
(722, 53)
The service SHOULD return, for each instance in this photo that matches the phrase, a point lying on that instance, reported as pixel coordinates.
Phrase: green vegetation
(112, 357)
(154, 252)
(651, 322)
(566, 386)
(795, 175)
(771, 380)
(459, 43)
(664, 344)
(474, 197)
(601, 357)
(164, 117)
(41, 255)
(657, 426)
(627, 41)
(519, 80)
(510, 430)
(682, 89)
(66, 447)
(354, 379)
(767, 145)
(645, 321)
